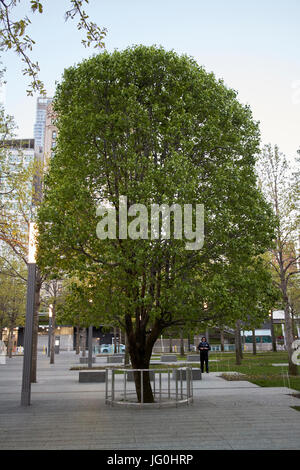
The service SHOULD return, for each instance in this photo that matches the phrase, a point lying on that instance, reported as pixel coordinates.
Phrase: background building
(40, 122)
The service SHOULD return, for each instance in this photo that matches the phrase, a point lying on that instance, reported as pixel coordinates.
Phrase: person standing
(204, 347)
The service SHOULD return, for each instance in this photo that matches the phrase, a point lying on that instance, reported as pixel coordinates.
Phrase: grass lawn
(257, 369)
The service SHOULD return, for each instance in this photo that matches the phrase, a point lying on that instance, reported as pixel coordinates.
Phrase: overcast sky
(254, 45)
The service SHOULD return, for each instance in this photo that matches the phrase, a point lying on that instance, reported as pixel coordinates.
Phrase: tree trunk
(253, 342)
(274, 346)
(115, 340)
(120, 340)
(207, 334)
(77, 344)
(293, 370)
(189, 343)
(181, 343)
(140, 359)
(139, 362)
(52, 339)
(9, 342)
(140, 350)
(90, 347)
(237, 343)
(83, 342)
(170, 345)
(222, 339)
(126, 358)
(240, 341)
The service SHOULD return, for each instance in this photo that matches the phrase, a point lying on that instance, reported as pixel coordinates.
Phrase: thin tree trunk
(274, 345)
(181, 343)
(222, 339)
(77, 344)
(207, 334)
(237, 344)
(120, 339)
(293, 370)
(126, 358)
(9, 342)
(189, 343)
(90, 347)
(253, 342)
(240, 341)
(115, 340)
(170, 345)
(83, 342)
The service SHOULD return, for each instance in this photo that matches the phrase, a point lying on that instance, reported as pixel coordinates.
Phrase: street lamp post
(28, 336)
(50, 329)
(90, 343)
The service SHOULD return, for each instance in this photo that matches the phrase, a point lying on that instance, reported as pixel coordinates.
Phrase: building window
(54, 135)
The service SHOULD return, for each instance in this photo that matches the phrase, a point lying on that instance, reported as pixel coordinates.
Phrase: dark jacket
(204, 344)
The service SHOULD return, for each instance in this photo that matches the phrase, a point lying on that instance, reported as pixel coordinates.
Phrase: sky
(253, 45)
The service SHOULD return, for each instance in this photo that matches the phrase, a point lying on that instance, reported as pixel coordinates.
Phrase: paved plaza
(66, 414)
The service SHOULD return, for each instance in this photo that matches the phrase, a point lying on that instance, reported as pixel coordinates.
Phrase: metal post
(125, 377)
(176, 385)
(168, 383)
(106, 385)
(90, 340)
(27, 360)
(188, 370)
(112, 386)
(142, 387)
(160, 386)
(181, 391)
(49, 336)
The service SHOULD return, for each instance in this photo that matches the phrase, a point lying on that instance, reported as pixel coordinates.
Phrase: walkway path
(66, 414)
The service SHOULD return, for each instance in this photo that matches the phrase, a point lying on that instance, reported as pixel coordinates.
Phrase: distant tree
(282, 190)
(19, 204)
(12, 304)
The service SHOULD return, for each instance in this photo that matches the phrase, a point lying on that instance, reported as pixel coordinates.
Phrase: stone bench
(193, 358)
(130, 376)
(92, 376)
(196, 374)
(168, 358)
(117, 359)
(85, 360)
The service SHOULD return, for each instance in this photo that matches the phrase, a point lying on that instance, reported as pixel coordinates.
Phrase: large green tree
(157, 128)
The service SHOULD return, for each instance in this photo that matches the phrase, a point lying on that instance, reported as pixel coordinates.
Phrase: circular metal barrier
(170, 387)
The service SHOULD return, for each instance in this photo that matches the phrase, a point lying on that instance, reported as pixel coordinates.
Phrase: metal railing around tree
(170, 387)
